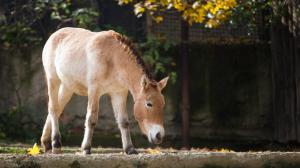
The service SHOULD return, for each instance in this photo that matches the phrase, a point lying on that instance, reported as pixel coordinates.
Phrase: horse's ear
(162, 84)
(144, 82)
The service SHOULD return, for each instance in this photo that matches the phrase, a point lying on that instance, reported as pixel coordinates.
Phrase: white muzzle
(156, 133)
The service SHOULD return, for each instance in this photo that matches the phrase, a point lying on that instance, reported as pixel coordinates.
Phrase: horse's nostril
(158, 136)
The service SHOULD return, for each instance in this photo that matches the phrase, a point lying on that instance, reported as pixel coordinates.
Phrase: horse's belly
(72, 77)
(75, 86)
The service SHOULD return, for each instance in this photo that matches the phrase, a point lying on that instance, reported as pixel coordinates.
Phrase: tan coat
(96, 63)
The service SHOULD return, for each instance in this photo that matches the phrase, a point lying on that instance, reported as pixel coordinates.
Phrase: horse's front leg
(119, 106)
(91, 120)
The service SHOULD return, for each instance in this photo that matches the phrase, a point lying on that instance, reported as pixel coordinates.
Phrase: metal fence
(170, 27)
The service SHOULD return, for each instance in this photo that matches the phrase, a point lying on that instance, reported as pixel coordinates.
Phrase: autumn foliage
(209, 12)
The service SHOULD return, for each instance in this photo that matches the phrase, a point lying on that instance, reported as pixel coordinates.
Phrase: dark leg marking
(87, 150)
(93, 125)
(130, 150)
(47, 145)
(124, 124)
(57, 141)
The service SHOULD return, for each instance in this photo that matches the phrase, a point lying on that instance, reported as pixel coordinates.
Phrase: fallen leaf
(153, 151)
(225, 150)
(35, 150)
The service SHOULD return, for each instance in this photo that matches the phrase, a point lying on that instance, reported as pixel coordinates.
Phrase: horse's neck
(135, 86)
(132, 74)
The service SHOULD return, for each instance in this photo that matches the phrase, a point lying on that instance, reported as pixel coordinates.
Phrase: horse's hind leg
(46, 136)
(64, 95)
(53, 112)
(118, 101)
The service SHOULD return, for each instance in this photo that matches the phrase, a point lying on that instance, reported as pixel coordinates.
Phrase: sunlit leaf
(158, 19)
(209, 12)
(138, 9)
(35, 150)
(153, 151)
(224, 150)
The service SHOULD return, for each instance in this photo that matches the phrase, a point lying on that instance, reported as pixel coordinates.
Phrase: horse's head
(148, 109)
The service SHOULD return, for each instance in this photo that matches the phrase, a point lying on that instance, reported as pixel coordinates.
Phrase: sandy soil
(115, 158)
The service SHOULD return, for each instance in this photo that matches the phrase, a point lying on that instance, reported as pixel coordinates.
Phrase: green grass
(22, 149)
(13, 150)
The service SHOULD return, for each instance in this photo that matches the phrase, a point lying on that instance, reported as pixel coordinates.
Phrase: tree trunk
(185, 104)
(286, 72)
(149, 24)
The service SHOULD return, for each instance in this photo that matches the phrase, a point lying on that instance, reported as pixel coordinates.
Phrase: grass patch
(13, 150)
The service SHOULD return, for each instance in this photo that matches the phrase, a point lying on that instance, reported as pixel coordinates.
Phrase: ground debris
(156, 157)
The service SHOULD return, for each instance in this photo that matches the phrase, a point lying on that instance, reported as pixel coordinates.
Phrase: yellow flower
(34, 150)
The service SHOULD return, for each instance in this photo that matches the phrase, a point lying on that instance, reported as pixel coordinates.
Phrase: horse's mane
(132, 50)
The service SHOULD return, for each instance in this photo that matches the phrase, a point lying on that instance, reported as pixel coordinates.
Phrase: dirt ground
(160, 158)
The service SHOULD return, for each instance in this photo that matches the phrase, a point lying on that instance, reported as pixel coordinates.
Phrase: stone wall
(231, 92)
(230, 97)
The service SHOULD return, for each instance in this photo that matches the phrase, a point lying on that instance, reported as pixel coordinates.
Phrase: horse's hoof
(48, 151)
(47, 146)
(56, 150)
(130, 151)
(86, 152)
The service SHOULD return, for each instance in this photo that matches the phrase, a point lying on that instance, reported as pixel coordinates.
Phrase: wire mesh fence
(170, 27)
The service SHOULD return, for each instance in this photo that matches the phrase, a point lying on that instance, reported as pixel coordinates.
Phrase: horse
(79, 61)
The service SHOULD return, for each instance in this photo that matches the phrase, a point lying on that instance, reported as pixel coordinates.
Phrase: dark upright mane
(130, 47)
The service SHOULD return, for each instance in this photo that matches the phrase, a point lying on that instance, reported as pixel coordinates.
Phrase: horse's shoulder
(106, 35)
(103, 38)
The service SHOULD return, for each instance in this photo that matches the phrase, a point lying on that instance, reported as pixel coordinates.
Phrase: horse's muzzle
(156, 134)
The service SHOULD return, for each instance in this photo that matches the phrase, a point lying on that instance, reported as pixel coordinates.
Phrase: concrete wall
(231, 92)
(230, 97)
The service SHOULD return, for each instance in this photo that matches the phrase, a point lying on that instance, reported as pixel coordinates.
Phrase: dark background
(243, 77)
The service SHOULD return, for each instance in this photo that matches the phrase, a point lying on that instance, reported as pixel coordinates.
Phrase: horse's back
(70, 54)
(57, 40)
(76, 42)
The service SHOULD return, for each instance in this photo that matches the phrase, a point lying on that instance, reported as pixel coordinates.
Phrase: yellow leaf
(138, 9)
(125, 1)
(211, 23)
(153, 151)
(225, 150)
(179, 5)
(34, 150)
(158, 19)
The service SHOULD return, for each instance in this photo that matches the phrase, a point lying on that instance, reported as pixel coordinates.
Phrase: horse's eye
(149, 104)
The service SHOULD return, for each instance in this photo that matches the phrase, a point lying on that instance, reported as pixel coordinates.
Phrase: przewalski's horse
(96, 63)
